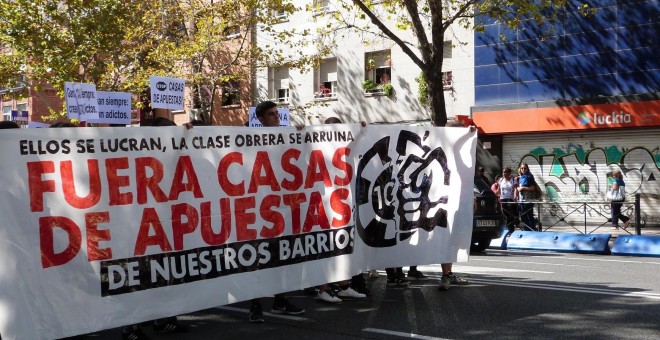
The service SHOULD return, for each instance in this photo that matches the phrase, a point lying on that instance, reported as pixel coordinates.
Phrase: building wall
(38, 103)
(577, 167)
(352, 104)
(612, 52)
(542, 87)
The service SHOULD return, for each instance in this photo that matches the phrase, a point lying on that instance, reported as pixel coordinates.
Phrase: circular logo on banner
(400, 190)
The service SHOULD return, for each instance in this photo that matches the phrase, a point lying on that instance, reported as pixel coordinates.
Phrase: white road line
(401, 334)
(479, 270)
(532, 262)
(596, 258)
(612, 292)
(281, 316)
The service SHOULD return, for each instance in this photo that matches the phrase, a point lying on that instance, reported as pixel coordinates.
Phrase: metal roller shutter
(574, 166)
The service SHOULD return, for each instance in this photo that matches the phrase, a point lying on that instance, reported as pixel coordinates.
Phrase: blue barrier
(561, 242)
(637, 245)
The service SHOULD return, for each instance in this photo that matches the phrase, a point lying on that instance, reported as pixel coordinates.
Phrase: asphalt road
(522, 295)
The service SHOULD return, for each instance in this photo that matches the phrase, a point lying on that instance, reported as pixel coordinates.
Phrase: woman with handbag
(617, 194)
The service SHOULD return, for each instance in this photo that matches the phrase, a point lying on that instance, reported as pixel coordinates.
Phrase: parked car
(487, 223)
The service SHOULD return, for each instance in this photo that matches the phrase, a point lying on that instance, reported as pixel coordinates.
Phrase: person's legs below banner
(395, 277)
(449, 278)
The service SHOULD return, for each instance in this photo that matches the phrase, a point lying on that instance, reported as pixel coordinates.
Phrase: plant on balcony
(388, 89)
(369, 85)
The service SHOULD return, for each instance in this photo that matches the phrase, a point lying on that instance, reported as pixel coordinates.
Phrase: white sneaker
(350, 293)
(326, 297)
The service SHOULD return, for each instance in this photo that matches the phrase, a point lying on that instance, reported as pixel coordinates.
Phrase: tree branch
(459, 14)
(418, 29)
(389, 33)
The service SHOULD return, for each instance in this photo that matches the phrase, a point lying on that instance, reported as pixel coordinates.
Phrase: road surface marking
(401, 334)
(597, 258)
(281, 316)
(479, 270)
(612, 292)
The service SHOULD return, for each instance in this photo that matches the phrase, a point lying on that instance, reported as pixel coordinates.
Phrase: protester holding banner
(355, 289)
(164, 325)
(269, 117)
(448, 277)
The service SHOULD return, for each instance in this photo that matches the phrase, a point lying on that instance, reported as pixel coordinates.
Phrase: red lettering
(143, 182)
(294, 201)
(315, 213)
(272, 216)
(339, 163)
(69, 185)
(37, 186)
(96, 235)
(208, 235)
(47, 239)
(316, 170)
(179, 227)
(228, 187)
(340, 207)
(144, 240)
(288, 167)
(115, 181)
(244, 218)
(184, 168)
(262, 166)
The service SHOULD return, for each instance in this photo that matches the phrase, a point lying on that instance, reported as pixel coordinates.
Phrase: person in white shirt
(505, 191)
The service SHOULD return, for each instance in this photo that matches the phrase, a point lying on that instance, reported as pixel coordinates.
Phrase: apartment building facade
(364, 78)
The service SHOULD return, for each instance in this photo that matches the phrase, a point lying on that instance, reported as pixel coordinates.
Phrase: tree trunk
(436, 95)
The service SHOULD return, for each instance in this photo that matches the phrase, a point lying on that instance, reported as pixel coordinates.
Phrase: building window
(378, 70)
(232, 32)
(446, 50)
(6, 112)
(231, 93)
(325, 79)
(280, 15)
(321, 6)
(447, 81)
(278, 84)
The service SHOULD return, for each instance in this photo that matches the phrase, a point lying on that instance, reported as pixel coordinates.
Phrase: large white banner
(103, 227)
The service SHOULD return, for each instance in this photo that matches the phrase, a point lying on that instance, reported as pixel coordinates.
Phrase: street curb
(637, 245)
(560, 242)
